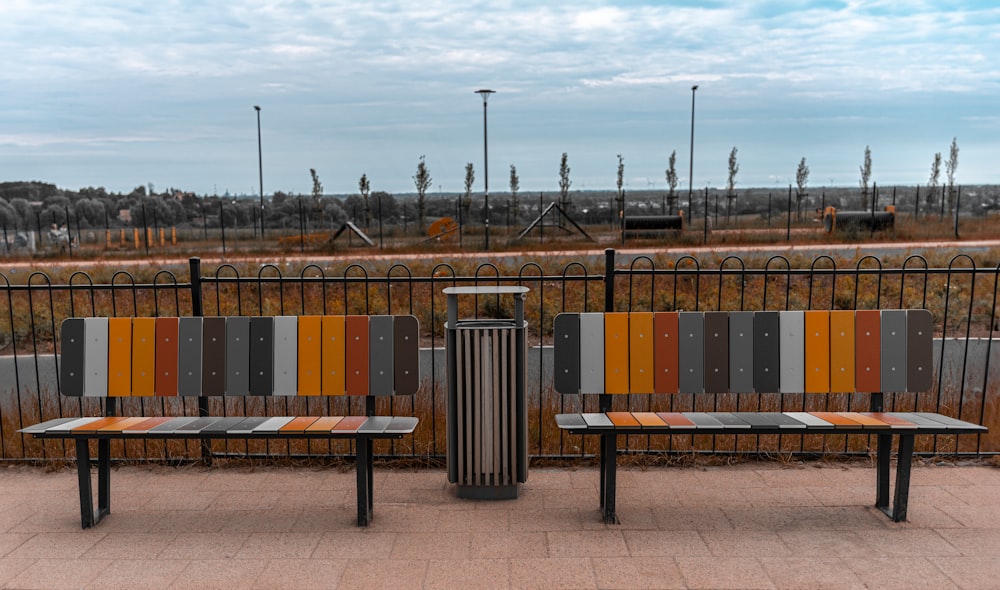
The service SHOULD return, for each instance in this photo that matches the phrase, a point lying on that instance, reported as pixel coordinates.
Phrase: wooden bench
(743, 352)
(114, 358)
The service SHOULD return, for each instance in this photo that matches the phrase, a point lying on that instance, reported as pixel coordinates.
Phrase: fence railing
(961, 297)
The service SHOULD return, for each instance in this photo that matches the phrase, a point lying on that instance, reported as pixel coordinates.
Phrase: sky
(121, 93)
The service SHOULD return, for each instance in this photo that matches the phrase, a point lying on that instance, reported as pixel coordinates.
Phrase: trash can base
(488, 492)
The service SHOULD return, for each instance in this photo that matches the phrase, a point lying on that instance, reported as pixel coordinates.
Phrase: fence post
(609, 305)
(788, 222)
(958, 205)
(198, 310)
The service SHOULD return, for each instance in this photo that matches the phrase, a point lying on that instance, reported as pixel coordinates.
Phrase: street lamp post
(485, 93)
(260, 171)
(691, 164)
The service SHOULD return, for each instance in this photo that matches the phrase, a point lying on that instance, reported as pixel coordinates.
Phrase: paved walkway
(745, 526)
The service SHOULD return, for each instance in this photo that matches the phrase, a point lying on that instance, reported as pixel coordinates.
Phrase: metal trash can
(487, 418)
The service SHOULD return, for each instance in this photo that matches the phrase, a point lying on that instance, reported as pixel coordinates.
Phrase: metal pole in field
(691, 162)
(788, 224)
(485, 93)
(260, 172)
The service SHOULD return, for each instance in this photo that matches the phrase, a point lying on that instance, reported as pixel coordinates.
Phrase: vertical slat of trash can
(691, 354)
(380, 348)
(119, 357)
(143, 356)
(741, 351)
(717, 352)
(592, 353)
(665, 352)
(189, 356)
(817, 343)
(868, 351)
(165, 383)
(310, 360)
(766, 359)
(95, 383)
(213, 357)
(842, 342)
(792, 350)
(566, 356)
(286, 352)
(893, 324)
(237, 355)
(72, 341)
(919, 350)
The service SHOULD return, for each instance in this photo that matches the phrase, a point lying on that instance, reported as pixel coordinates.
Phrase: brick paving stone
(637, 573)
(912, 573)
(811, 572)
(724, 573)
(554, 573)
(431, 546)
(482, 574)
(970, 573)
(609, 543)
(508, 544)
(301, 574)
(139, 574)
(219, 573)
(59, 573)
(396, 574)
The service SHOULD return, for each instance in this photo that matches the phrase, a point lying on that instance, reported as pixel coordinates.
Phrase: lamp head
(485, 93)
(256, 108)
(693, 88)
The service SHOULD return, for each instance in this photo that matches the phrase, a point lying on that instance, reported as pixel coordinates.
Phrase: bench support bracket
(609, 475)
(365, 473)
(88, 517)
(904, 462)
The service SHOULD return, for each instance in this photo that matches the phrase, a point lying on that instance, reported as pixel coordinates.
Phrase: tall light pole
(691, 158)
(260, 171)
(485, 93)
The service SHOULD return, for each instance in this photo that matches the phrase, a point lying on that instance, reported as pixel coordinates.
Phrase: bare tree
(734, 168)
(317, 190)
(866, 176)
(672, 182)
(950, 166)
(564, 184)
(422, 180)
(934, 180)
(515, 185)
(801, 180)
(364, 187)
(470, 179)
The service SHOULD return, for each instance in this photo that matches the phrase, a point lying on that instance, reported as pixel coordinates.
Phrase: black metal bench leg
(603, 477)
(371, 477)
(903, 463)
(87, 516)
(609, 470)
(363, 469)
(103, 479)
(883, 459)
(86, 491)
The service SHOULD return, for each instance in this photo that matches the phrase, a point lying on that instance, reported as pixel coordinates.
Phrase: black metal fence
(962, 298)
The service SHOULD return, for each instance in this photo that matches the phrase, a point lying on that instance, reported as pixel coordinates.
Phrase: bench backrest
(751, 351)
(239, 355)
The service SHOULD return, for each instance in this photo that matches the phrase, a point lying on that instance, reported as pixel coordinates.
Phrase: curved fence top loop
(767, 273)
(722, 267)
(408, 278)
(833, 280)
(904, 270)
(857, 280)
(364, 273)
(632, 274)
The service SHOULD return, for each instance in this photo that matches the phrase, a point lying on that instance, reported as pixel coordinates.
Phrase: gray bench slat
(220, 426)
(948, 421)
(597, 420)
(39, 428)
(247, 425)
(570, 421)
(812, 422)
(770, 419)
(375, 424)
(402, 425)
(68, 426)
(703, 419)
(730, 420)
(195, 426)
(272, 425)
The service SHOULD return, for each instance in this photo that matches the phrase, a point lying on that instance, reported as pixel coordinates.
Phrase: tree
(515, 185)
(801, 180)
(935, 178)
(364, 187)
(734, 168)
(564, 184)
(470, 179)
(866, 176)
(317, 190)
(950, 166)
(621, 193)
(672, 182)
(422, 180)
